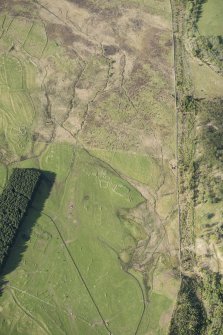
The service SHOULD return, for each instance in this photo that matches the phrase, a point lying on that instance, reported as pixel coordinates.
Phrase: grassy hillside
(87, 94)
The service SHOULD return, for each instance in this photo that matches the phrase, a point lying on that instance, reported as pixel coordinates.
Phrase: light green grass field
(211, 22)
(19, 29)
(16, 126)
(36, 40)
(94, 236)
(144, 169)
(205, 88)
(80, 232)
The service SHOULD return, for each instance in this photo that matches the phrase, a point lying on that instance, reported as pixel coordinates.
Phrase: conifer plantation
(14, 201)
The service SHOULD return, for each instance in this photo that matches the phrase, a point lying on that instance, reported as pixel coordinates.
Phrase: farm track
(144, 302)
(30, 295)
(45, 302)
(28, 313)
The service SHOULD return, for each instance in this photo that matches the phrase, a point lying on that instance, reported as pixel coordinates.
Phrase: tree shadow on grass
(33, 212)
(200, 9)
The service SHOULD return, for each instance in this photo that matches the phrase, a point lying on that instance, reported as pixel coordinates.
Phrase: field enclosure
(210, 22)
(87, 92)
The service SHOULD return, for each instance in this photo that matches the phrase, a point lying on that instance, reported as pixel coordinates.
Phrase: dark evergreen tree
(14, 201)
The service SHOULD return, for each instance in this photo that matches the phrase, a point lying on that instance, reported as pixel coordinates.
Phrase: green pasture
(11, 73)
(57, 158)
(5, 21)
(207, 215)
(211, 88)
(36, 40)
(28, 34)
(16, 106)
(19, 29)
(94, 236)
(211, 22)
(75, 242)
(142, 168)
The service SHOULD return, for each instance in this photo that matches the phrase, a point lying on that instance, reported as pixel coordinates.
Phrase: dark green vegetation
(200, 183)
(189, 315)
(209, 47)
(201, 152)
(199, 307)
(186, 150)
(13, 205)
(207, 181)
(212, 294)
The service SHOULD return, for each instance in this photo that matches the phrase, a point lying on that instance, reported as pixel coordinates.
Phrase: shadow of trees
(35, 207)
